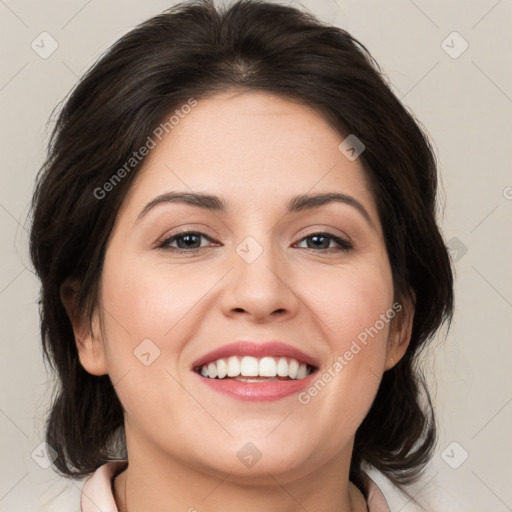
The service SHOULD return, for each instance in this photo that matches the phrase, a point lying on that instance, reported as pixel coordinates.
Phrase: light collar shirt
(97, 492)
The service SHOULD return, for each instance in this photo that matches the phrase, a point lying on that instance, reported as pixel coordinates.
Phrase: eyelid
(185, 229)
(163, 243)
(326, 230)
(344, 242)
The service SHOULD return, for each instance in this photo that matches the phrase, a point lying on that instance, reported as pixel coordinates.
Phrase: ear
(88, 337)
(400, 330)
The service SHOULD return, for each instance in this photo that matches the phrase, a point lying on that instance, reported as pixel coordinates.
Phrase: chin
(257, 458)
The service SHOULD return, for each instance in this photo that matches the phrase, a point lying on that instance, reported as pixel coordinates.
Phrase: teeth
(267, 367)
(249, 366)
(222, 368)
(282, 367)
(212, 370)
(233, 366)
(303, 371)
(293, 368)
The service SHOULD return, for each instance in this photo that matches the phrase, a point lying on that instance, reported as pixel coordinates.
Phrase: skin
(255, 150)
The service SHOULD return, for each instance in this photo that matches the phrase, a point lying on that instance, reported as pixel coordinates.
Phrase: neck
(162, 484)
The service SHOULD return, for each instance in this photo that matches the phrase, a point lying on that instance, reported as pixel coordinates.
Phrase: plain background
(465, 104)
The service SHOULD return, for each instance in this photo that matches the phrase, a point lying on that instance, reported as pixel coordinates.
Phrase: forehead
(252, 147)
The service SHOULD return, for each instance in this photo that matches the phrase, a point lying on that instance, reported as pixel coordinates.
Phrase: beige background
(465, 103)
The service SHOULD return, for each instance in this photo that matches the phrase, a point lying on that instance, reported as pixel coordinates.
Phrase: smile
(262, 369)
(257, 372)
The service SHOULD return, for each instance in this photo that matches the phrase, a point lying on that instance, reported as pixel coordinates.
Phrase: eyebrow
(295, 204)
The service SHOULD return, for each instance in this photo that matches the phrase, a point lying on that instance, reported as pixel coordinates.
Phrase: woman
(235, 233)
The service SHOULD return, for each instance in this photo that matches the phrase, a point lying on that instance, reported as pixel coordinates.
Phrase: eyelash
(345, 245)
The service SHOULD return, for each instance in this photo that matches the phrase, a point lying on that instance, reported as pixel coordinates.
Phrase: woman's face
(256, 268)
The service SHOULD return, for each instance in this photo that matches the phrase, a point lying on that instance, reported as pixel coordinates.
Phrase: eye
(323, 240)
(186, 241)
(190, 241)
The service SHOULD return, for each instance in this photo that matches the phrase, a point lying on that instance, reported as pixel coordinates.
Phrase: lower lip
(258, 391)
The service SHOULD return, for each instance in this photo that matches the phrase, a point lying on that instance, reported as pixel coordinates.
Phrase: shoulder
(376, 500)
(97, 491)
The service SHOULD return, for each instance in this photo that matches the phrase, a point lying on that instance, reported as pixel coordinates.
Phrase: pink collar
(97, 492)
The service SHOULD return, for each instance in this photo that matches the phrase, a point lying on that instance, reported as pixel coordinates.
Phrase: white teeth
(233, 366)
(222, 368)
(303, 371)
(249, 366)
(267, 367)
(293, 368)
(212, 370)
(282, 367)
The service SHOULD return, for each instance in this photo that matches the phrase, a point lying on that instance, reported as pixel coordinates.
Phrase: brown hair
(195, 50)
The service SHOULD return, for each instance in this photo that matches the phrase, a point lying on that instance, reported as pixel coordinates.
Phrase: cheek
(149, 301)
(150, 312)
(355, 307)
(350, 302)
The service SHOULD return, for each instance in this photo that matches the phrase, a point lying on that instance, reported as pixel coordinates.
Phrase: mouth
(249, 371)
(254, 369)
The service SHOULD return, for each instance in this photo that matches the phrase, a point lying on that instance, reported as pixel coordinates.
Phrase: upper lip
(249, 348)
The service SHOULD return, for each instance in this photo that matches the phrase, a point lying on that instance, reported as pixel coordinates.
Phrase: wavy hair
(196, 49)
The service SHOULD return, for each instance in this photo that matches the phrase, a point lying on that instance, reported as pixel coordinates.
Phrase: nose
(260, 289)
